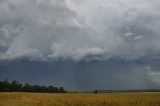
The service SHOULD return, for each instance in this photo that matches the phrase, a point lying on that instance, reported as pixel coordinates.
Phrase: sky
(81, 44)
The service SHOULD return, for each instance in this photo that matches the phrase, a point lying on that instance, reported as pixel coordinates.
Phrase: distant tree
(27, 88)
(15, 86)
(5, 86)
(61, 89)
(95, 91)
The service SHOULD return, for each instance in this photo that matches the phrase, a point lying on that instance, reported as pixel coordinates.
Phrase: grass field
(80, 99)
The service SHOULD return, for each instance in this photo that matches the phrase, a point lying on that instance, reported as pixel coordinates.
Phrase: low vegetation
(80, 99)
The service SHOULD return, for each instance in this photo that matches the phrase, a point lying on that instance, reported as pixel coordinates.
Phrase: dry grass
(81, 99)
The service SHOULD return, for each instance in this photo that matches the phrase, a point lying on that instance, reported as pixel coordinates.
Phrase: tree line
(15, 86)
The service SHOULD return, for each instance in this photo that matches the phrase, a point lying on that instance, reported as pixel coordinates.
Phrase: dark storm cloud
(111, 74)
(55, 73)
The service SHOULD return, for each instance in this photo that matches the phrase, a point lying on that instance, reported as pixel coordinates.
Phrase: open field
(80, 99)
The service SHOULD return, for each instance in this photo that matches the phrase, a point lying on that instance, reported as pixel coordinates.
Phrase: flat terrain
(80, 99)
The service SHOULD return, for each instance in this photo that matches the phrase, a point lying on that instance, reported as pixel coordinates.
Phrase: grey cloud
(79, 29)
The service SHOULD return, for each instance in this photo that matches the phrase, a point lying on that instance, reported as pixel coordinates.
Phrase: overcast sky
(81, 44)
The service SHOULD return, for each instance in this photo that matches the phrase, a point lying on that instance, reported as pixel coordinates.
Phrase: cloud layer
(79, 29)
(87, 76)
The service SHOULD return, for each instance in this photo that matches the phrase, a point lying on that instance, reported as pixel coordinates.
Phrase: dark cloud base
(112, 74)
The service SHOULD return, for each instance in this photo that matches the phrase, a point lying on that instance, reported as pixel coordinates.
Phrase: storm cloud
(79, 29)
(99, 40)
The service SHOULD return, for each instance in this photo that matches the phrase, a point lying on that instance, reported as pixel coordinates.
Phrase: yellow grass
(80, 99)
